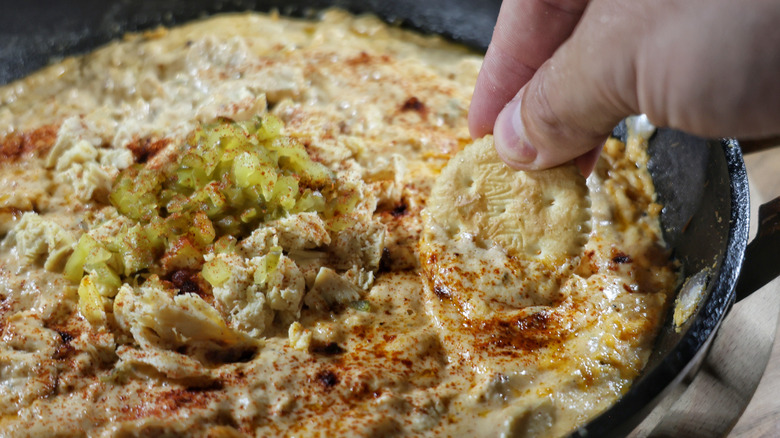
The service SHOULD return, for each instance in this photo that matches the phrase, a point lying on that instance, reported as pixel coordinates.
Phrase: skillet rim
(648, 390)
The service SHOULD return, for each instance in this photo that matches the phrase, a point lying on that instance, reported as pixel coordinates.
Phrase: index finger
(527, 33)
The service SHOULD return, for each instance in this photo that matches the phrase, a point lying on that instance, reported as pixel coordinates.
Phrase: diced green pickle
(74, 268)
(225, 245)
(216, 272)
(91, 302)
(202, 229)
(106, 280)
(360, 305)
(272, 258)
(229, 178)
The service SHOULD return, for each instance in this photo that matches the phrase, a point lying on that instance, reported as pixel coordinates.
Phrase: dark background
(34, 33)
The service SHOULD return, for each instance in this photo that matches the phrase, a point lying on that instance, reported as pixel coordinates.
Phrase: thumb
(570, 105)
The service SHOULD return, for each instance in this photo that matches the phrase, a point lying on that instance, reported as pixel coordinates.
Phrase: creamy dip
(340, 338)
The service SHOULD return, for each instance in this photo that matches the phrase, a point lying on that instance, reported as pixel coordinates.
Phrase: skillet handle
(762, 257)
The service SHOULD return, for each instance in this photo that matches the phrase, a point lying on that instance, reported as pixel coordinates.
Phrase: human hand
(569, 70)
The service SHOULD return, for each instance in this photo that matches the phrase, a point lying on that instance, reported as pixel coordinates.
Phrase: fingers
(527, 33)
(574, 100)
(587, 162)
(700, 66)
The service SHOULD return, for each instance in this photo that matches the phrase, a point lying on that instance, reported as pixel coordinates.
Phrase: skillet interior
(704, 189)
(701, 183)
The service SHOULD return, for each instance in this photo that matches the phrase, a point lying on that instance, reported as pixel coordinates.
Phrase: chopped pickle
(360, 305)
(225, 244)
(271, 263)
(272, 259)
(261, 275)
(106, 281)
(74, 268)
(216, 272)
(202, 229)
(229, 179)
(183, 253)
(90, 301)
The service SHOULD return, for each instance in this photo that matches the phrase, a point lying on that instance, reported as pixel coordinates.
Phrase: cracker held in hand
(495, 238)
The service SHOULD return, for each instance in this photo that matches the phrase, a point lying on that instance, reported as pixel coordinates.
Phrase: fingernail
(509, 134)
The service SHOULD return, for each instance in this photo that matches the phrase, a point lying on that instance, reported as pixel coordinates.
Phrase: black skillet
(701, 183)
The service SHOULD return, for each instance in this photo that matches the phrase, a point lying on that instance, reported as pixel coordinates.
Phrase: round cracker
(497, 238)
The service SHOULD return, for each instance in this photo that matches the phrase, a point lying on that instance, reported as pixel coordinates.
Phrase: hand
(560, 74)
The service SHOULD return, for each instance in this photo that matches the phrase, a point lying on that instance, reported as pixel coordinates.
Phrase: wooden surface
(736, 391)
(762, 416)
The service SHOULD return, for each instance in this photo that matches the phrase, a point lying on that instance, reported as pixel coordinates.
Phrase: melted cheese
(298, 354)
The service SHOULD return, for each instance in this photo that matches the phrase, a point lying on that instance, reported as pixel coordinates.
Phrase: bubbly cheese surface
(305, 323)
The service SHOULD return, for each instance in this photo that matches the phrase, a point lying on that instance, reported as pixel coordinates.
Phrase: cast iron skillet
(701, 183)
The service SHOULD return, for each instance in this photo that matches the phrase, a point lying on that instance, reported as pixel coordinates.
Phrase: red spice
(364, 58)
(528, 333)
(144, 149)
(38, 141)
(177, 398)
